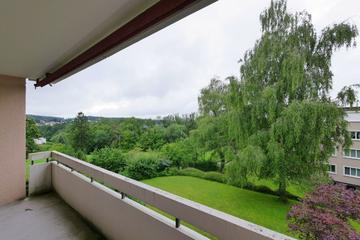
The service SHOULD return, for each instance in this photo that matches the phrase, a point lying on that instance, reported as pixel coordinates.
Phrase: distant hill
(96, 118)
(45, 119)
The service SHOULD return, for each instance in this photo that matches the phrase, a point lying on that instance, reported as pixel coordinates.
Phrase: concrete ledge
(39, 155)
(115, 217)
(40, 178)
(217, 223)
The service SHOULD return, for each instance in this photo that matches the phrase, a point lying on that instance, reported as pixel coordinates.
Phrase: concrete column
(12, 139)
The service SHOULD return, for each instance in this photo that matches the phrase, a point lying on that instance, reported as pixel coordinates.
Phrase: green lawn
(292, 188)
(263, 209)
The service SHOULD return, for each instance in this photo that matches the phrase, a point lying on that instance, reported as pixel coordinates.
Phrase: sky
(163, 74)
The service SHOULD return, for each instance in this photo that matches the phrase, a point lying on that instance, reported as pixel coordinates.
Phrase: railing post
(177, 222)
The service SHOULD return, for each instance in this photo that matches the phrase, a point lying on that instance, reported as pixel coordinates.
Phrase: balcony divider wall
(12, 139)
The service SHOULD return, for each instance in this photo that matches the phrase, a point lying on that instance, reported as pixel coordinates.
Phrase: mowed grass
(293, 189)
(262, 209)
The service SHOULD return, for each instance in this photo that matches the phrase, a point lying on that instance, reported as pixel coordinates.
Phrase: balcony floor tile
(43, 217)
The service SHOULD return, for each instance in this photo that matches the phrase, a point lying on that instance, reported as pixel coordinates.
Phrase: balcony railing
(117, 205)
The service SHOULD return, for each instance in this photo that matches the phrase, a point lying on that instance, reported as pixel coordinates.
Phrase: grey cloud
(164, 73)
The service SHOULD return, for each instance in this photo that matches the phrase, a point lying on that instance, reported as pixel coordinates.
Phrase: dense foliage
(80, 135)
(145, 165)
(324, 214)
(111, 159)
(32, 132)
(281, 107)
(347, 97)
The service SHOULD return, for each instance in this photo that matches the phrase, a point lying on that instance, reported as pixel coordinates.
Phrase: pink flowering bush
(324, 214)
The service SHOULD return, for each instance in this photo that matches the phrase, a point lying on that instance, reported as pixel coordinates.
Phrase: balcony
(43, 217)
(72, 199)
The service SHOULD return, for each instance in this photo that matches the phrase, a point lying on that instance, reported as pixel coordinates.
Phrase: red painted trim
(155, 14)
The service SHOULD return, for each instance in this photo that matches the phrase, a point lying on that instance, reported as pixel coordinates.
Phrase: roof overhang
(48, 41)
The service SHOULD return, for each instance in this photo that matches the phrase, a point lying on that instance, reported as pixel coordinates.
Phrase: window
(334, 153)
(352, 153)
(332, 168)
(355, 135)
(352, 172)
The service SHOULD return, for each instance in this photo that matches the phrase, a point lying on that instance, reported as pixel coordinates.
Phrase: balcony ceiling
(41, 36)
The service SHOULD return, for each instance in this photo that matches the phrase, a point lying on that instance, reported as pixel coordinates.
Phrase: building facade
(345, 163)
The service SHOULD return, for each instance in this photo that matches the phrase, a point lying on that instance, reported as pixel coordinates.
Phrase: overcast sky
(164, 73)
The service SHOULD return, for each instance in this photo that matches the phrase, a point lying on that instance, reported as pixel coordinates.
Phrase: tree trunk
(282, 189)
(222, 161)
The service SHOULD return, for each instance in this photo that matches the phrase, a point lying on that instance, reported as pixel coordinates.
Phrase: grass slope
(291, 188)
(262, 209)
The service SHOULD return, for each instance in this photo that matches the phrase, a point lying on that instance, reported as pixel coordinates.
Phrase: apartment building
(345, 163)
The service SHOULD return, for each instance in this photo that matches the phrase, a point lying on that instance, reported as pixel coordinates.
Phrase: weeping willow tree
(280, 108)
(211, 133)
(348, 96)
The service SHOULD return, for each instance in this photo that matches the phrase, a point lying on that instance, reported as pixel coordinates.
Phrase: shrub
(205, 165)
(324, 214)
(173, 171)
(263, 189)
(181, 153)
(260, 188)
(80, 155)
(215, 176)
(109, 158)
(145, 165)
(192, 172)
(143, 168)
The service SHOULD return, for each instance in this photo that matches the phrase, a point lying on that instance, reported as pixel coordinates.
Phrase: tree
(324, 214)
(111, 159)
(281, 104)
(212, 98)
(32, 132)
(211, 135)
(181, 153)
(348, 95)
(128, 134)
(171, 119)
(212, 132)
(153, 138)
(102, 137)
(80, 136)
(190, 122)
(174, 132)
